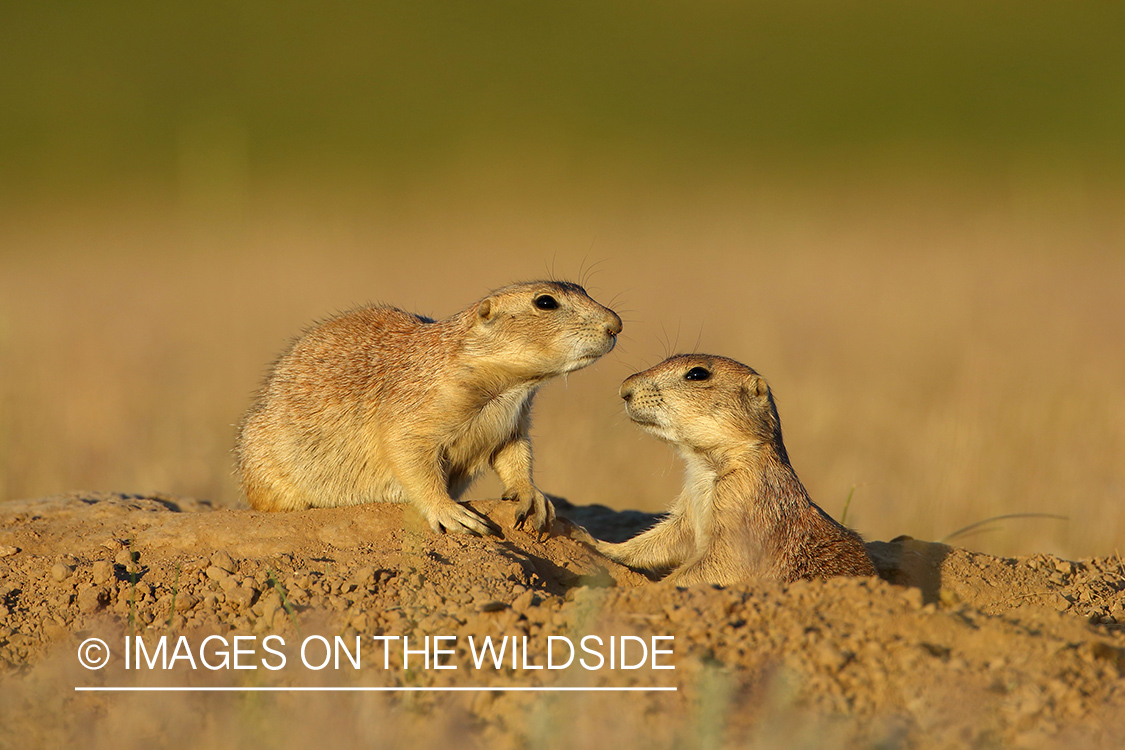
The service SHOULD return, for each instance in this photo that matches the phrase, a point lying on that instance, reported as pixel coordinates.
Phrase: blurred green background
(94, 95)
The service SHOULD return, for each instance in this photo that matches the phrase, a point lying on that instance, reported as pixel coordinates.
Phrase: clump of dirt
(948, 648)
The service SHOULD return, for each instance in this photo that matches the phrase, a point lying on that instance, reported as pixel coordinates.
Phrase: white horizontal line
(186, 689)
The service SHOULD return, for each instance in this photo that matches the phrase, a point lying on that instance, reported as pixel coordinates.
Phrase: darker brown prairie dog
(381, 405)
(742, 513)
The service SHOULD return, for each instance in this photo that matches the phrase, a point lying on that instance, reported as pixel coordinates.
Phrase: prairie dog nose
(626, 391)
(614, 325)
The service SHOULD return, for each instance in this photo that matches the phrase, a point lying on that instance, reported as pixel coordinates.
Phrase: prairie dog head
(543, 328)
(703, 402)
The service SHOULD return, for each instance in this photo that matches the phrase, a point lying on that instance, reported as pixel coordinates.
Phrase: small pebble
(242, 596)
(185, 602)
(215, 573)
(92, 599)
(102, 571)
(223, 561)
(523, 601)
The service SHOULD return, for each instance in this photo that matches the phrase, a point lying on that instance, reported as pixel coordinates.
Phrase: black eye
(546, 302)
(697, 373)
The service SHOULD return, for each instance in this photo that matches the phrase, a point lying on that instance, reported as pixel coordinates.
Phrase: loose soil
(947, 648)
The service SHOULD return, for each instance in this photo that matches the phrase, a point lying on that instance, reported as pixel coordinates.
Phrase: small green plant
(714, 695)
(271, 579)
(132, 587)
(847, 504)
(175, 590)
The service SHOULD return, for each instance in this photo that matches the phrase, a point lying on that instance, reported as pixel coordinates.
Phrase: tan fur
(380, 405)
(742, 513)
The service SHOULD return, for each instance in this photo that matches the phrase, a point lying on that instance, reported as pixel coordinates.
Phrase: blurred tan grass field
(910, 219)
(952, 359)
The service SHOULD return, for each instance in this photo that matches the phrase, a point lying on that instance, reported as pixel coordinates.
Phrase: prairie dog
(381, 405)
(742, 513)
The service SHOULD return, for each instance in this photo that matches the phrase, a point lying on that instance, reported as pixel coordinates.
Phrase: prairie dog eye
(697, 373)
(546, 302)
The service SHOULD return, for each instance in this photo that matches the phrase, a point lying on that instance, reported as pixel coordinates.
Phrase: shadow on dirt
(905, 561)
(605, 523)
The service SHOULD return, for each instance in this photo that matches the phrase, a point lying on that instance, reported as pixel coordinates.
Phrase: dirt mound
(949, 648)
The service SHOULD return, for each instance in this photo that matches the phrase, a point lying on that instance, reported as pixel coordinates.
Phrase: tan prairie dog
(381, 405)
(742, 514)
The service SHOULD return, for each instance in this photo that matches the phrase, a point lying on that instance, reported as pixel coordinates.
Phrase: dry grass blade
(964, 530)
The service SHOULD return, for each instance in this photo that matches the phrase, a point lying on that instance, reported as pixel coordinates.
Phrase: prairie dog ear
(755, 389)
(486, 309)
